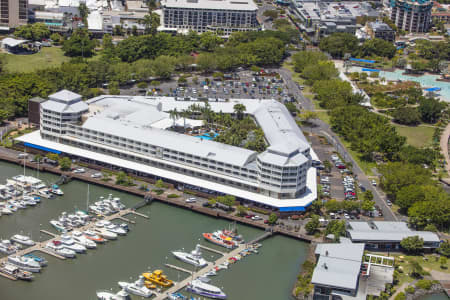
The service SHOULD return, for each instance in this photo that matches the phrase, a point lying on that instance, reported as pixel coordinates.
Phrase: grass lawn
(323, 115)
(48, 57)
(366, 166)
(419, 136)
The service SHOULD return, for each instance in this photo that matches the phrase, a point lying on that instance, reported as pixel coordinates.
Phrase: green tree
(436, 212)
(332, 93)
(412, 244)
(335, 227)
(367, 205)
(408, 195)
(431, 227)
(406, 116)
(227, 200)
(160, 184)
(430, 109)
(271, 13)
(79, 44)
(368, 195)
(377, 47)
(163, 67)
(151, 23)
(273, 219)
(416, 268)
(121, 178)
(84, 12)
(52, 156)
(241, 210)
(65, 163)
(444, 249)
(35, 32)
(338, 44)
(207, 62)
(209, 41)
(239, 110)
(302, 59)
(323, 70)
(333, 205)
(113, 88)
(312, 226)
(443, 262)
(56, 38)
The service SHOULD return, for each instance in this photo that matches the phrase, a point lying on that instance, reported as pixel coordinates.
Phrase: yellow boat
(158, 278)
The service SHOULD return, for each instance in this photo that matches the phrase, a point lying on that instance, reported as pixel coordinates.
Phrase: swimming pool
(207, 136)
(424, 80)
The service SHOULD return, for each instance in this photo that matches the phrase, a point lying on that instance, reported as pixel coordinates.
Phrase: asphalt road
(322, 128)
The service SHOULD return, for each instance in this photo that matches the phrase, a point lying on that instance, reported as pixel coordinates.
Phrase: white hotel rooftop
(130, 132)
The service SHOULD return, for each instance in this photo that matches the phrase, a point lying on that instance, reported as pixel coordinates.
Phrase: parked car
(389, 203)
(79, 170)
(256, 218)
(96, 175)
(374, 183)
(191, 200)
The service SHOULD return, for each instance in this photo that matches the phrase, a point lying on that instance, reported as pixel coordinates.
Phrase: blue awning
(370, 70)
(433, 89)
(292, 208)
(41, 148)
(363, 60)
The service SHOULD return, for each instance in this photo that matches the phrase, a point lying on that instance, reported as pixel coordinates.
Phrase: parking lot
(243, 84)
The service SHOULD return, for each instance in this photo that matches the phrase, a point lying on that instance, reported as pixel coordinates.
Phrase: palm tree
(239, 110)
(174, 114)
(151, 23)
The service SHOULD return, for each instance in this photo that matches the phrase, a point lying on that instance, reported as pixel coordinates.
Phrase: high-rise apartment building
(13, 13)
(411, 15)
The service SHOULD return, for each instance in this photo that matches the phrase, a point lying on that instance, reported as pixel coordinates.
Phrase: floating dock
(212, 250)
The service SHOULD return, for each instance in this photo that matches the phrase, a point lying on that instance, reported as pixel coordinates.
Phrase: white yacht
(27, 182)
(112, 227)
(56, 190)
(136, 288)
(57, 247)
(5, 211)
(17, 204)
(205, 289)
(23, 239)
(105, 233)
(45, 193)
(91, 235)
(193, 258)
(80, 239)
(68, 243)
(105, 295)
(7, 247)
(25, 263)
(58, 225)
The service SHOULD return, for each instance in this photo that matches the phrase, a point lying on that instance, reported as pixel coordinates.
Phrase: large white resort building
(131, 132)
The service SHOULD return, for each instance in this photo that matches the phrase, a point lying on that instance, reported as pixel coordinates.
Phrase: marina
(150, 248)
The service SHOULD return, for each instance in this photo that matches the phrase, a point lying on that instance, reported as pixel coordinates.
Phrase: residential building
(411, 15)
(326, 17)
(224, 16)
(132, 133)
(13, 13)
(386, 236)
(381, 30)
(344, 272)
(441, 17)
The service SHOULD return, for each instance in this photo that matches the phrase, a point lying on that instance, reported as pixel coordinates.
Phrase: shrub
(410, 289)
(173, 196)
(400, 296)
(259, 211)
(424, 284)
(158, 191)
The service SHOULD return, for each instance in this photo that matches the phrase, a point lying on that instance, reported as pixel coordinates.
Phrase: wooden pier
(179, 285)
(178, 268)
(49, 252)
(139, 214)
(48, 233)
(212, 250)
(8, 276)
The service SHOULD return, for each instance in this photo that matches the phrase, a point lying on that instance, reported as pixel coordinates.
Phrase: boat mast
(87, 199)
(24, 156)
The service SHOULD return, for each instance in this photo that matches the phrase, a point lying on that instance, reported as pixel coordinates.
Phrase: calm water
(424, 80)
(267, 275)
(441, 296)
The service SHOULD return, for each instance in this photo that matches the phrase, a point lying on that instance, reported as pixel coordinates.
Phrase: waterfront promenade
(11, 156)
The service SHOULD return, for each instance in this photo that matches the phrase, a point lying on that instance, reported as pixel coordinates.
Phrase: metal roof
(76, 107)
(386, 231)
(65, 96)
(10, 42)
(247, 5)
(338, 265)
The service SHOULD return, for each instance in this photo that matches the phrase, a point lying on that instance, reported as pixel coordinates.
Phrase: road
(321, 128)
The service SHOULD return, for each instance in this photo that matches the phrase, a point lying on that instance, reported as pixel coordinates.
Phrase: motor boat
(56, 190)
(105, 233)
(16, 272)
(105, 295)
(211, 273)
(17, 204)
(5, 211)
(114, 228)
(22, 239)
(80, 239)
(42, 261)
(68, 243)
(57, 247)
(177, 296)
(25, 263)
(158, 278)
(59, 226)
(218, 240)
(29, 202)
(7, 247)
(46, 193)
(193, 258)
(136, 288)
(204, 289)
(90, 235)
